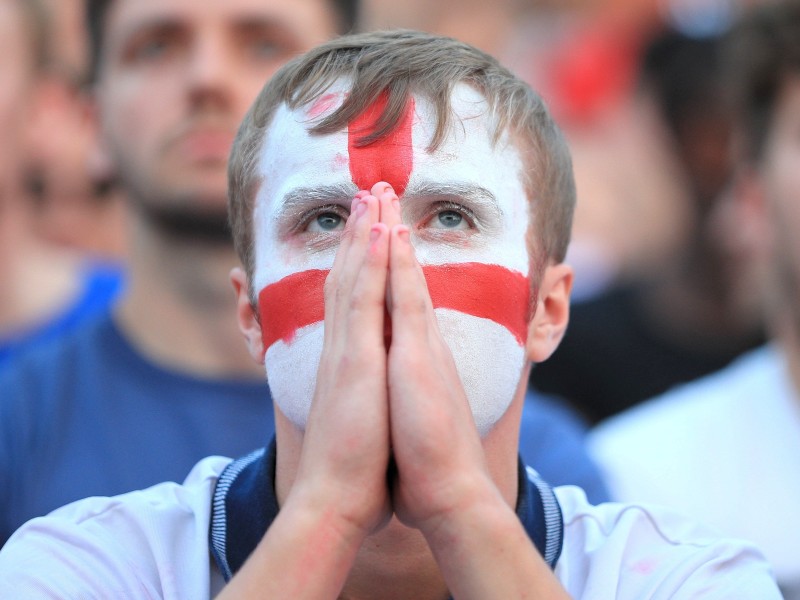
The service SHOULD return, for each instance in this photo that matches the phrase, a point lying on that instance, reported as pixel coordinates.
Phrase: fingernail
(403, 233)
(361, 208)
(374, 233)
(396, 204)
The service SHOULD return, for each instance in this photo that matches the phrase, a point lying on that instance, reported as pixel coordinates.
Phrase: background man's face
(16, 79)
(176, 79)
(780, 173)
(468, 213)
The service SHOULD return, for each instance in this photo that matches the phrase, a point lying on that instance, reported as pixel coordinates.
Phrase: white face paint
(465, 203)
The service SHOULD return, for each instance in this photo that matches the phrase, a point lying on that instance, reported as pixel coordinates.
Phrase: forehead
(291, 157)
(125, 17)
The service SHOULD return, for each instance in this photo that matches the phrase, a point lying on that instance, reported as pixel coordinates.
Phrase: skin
(16, 83)
(445, 519)
(768, 194)
(175, 79)
(36, 280)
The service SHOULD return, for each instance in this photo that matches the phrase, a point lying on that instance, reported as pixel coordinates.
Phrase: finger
(411, 303)
(389, 204)
(349, 258)
(379, 188)
(344, 241)
(390, 216)
(367, 300)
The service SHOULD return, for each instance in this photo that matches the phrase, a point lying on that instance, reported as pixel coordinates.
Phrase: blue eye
(450, 219)
(326, 221)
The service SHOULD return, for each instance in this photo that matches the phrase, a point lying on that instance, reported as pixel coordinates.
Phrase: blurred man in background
(44, 290)
(137, 395)
(682, 318)
(726, 449)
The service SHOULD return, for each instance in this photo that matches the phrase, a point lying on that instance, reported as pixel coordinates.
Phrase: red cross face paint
(468, 214)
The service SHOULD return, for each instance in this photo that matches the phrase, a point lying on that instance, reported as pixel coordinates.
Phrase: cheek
(489, 361)
(289, 305)
(486, 291)
(292, 372)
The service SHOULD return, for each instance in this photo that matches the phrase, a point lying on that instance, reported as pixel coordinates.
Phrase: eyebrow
(169, 22)
(476, 195)
(299, 199)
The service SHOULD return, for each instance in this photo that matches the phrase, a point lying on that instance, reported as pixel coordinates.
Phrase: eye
(152, 49)
(265, 49)
(265, 43)
(451, 217)
(325, 220)
(156, 44)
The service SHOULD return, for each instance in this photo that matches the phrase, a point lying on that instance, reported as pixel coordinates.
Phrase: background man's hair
(760, 52)
(347, 12)
(401, 63)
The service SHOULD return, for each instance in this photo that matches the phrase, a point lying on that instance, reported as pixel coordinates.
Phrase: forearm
(307, 553)
(484, 552)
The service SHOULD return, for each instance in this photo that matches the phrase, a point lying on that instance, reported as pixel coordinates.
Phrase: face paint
(455, 286)
(389, 159)
(476, 274)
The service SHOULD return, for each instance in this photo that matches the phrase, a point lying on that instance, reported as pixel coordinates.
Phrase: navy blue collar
(245, 504)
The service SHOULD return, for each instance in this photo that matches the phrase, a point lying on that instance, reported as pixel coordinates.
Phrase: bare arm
(339, 494)
(443, 487)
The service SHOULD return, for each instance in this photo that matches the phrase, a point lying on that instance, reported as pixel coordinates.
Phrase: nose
(209, 70)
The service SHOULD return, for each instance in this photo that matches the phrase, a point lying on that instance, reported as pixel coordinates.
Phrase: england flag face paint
(468, 213)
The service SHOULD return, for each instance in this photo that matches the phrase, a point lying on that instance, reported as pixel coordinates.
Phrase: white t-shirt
(724, 450)
(154, 544)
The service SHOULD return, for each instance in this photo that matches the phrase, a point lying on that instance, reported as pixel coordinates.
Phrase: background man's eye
(450, 219)
(266, 49)
(151, 49)
(327, 221)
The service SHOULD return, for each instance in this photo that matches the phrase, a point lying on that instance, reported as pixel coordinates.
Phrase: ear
(549, 322)
(246, 315)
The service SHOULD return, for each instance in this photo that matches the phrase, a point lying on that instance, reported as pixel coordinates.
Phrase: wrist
(471, 502)
(334, 510)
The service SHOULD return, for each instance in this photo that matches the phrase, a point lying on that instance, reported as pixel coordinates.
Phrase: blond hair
(402, 63)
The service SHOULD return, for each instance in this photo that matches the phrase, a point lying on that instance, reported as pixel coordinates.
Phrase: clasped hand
(387, 390)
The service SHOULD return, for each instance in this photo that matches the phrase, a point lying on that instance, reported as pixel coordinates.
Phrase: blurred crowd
(670, 261)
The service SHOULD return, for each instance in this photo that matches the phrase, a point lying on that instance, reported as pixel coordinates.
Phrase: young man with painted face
(402, 205)
(726, 448)
(140, 395)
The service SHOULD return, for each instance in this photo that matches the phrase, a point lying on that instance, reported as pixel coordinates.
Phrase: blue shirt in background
(87, 415)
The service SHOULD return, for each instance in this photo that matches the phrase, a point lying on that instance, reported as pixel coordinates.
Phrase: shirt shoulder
(148, 543)
(642, 551)
(694, 417)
